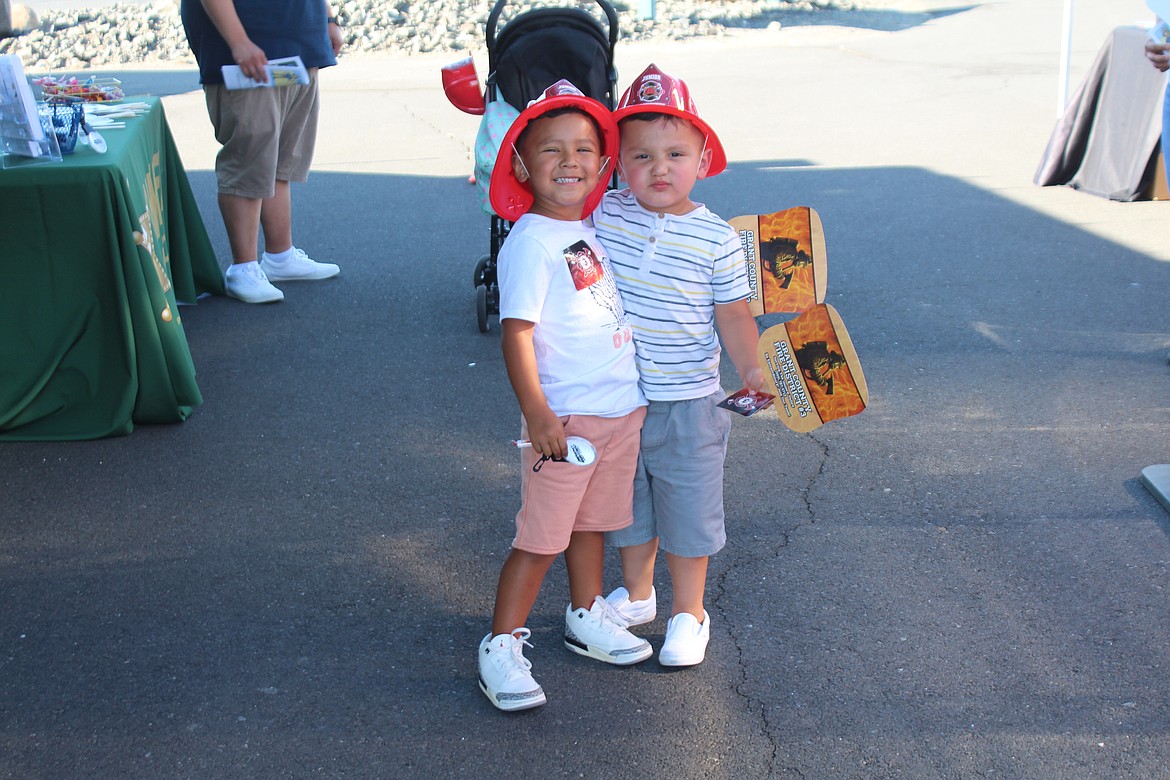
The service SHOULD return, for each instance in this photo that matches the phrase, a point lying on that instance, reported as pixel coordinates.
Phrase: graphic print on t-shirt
(584, 266)
(589, 272)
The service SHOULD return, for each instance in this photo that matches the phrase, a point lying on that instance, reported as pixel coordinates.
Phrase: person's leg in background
(296, 140)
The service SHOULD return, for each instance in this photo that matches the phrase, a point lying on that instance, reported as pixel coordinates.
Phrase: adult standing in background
(267, 135)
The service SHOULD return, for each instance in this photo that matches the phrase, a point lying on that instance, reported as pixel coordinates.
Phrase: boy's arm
(545, 430)
(739, 334)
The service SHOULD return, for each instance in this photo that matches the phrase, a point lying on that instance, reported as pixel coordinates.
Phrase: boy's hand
(754, 379)
(547, 434)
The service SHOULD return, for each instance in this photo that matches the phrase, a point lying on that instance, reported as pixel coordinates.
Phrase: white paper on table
(104, 122)
(94, 110)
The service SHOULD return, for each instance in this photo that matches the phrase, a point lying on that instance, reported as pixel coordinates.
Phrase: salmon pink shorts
(561, 498)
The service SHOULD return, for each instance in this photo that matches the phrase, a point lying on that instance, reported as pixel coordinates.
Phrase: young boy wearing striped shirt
(681, 273)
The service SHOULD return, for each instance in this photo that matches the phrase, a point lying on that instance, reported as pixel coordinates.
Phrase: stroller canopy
(545, 45)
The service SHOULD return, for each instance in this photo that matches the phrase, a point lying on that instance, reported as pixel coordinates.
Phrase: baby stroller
(525, 56)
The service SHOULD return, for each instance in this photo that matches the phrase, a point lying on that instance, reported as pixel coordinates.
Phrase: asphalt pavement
(966, 580)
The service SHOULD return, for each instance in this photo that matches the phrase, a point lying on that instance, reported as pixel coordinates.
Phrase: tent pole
(1065, 58)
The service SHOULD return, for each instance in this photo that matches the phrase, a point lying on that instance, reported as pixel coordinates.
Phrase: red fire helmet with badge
(655, 92)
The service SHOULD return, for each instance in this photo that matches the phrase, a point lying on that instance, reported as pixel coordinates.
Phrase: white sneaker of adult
(686, 640)
(298, 267)
(247, 282)
(505, 675)
(599, 632)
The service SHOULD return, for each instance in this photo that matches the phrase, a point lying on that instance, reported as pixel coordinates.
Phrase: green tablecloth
(95, 252)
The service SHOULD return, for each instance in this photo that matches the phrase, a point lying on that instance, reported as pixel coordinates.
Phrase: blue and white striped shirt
(672, 271)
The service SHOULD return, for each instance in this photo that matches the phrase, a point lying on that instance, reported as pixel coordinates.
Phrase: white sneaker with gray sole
(505, 675)
(599, 632)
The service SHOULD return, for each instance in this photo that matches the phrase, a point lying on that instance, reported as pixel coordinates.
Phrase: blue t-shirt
(282, 28)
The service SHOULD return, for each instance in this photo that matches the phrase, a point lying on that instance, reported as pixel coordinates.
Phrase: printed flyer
(281, 73)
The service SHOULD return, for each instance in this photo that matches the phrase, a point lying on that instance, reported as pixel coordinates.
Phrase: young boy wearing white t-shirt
(569, 354)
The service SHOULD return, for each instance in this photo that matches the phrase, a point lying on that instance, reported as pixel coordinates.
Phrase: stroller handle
(498, 8)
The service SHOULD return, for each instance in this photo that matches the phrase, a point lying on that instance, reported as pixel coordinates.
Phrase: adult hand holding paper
(251, 60)
(276, 73)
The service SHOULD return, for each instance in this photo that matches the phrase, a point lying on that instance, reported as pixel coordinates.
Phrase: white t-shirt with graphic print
(555, 274)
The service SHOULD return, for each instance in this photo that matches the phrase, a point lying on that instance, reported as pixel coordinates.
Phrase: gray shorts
(678, 488)
(266, 135)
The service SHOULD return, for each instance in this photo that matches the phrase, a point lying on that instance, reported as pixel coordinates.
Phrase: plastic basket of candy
(91, 90)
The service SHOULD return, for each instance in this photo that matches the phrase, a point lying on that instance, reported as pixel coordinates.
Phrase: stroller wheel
(478, 277)
(481, 307)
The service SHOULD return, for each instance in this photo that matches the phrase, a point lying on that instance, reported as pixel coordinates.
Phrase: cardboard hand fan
(786, 260)
(812, 369)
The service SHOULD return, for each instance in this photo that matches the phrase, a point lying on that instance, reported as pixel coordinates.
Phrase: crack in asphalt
(719, 587)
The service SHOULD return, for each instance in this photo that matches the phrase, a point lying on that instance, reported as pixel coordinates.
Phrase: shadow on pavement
(294, 580)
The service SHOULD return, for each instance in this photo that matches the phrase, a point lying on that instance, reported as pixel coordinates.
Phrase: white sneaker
(298, 267)
(599, 632)
(686, 640)
(504, 673)
(247, 282)
(635, 613)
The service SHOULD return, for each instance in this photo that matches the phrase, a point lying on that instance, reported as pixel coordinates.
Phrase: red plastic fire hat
(654, 92)
(510, 197)
(461, 85)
